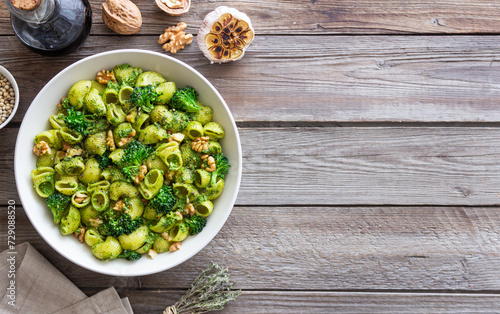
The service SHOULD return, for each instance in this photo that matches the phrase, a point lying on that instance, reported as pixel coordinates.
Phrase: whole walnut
(122, 16)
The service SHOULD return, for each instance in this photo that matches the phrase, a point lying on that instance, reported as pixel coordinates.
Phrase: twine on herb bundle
(210, 291)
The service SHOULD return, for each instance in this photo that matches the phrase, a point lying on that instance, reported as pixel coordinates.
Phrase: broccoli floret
(124, 132)
(126, 74)
(135, 154)
(65, 103)
(221, 168)
(113, 85)
(131, 172)
(77, 121)
(164, 201)
(123, 225)
(104, 160)
(130, 255)
(58, 204)
(196, 223)
(170, 219)
(108, 215)
(185, 99)
(144, 98)
(180, 205)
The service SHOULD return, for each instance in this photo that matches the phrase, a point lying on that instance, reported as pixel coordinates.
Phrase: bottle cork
(26, 5)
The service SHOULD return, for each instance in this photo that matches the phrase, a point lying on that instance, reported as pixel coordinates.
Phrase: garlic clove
(225, 35)
(229, 28)
(246, 36)
(236, 52)
(174, 7)
(216, 28)
(239, 43)
(216, 52)
(228, 43)
(212, 39)
(241, 26)
(225, 18)
(226, 54)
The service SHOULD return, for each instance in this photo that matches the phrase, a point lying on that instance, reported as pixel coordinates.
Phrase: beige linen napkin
(41, 288)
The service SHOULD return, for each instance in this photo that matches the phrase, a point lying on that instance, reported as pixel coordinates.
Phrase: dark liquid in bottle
(64, 32)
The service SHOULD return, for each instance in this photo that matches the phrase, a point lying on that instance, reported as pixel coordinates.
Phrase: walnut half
(200, 144)
(110, 141)
(141, 175)
(174, 38)
(125, 140)
(119, 205)
(211, 164)
(80, 197)
(104, 76)
(80, 234)
(95, 222)
(42, 149)
(175, 246)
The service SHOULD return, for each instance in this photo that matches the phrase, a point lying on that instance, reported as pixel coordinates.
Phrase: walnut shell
(174, 11)
(122, 16)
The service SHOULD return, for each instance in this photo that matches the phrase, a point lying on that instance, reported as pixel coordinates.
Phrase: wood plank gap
(361, 206)
(367, 124)
(412, 34)
(367, 291)
(408, 34)
(379, 291)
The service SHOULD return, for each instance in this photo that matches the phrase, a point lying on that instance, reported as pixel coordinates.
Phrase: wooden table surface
(371, 156)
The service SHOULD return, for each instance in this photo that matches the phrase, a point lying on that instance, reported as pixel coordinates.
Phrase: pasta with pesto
(131, 166)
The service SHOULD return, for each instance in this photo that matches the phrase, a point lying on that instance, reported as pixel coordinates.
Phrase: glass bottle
(51, 27)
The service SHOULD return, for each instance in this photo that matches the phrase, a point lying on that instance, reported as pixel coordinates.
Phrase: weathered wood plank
(328, 248)
(8, 189)
(335, 79)
(253, 302)
(383, 166)
(346, 166)
(324, 17)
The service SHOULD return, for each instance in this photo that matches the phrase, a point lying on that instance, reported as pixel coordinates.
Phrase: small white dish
(13, 83)
(36, 120)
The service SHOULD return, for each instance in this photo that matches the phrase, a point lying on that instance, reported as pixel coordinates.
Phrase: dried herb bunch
(209, 292)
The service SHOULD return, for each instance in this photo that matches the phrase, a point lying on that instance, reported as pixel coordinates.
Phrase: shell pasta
(131, 164)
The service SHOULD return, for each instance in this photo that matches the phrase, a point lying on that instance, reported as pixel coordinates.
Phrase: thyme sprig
(210, 291)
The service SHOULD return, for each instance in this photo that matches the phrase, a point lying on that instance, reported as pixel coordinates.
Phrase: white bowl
(36, 120)
(13, 83)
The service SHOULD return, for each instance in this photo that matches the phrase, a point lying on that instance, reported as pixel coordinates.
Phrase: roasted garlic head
(225, 34)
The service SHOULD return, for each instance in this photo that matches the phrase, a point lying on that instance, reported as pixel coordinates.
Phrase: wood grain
(323, 17)
(268, 302)
(347, 166)
(333, 80)
(383, 166)
(330, 218)
(327, 248)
